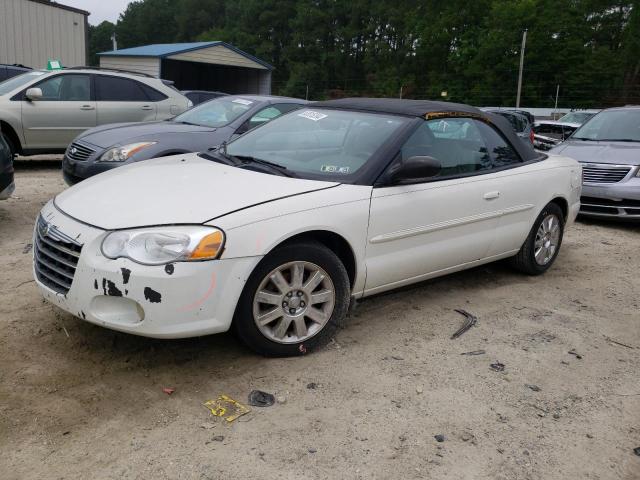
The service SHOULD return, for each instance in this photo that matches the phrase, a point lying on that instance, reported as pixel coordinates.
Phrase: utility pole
(401, 87)
(306, 97)
(524, 44)
(555, 109)
(114, 41)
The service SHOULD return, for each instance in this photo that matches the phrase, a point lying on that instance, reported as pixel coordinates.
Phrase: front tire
(541, 247)
(294, 301)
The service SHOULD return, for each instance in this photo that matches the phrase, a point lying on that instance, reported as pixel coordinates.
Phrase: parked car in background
(274, 234)
(198, 129)
(519, 123)
(200, 96)
(6, 170)
(43, 111)
(549, 133)
(8, 71)
(608, 147)
(529, 115)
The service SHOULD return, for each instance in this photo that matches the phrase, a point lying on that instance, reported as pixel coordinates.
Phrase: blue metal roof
(162, 50)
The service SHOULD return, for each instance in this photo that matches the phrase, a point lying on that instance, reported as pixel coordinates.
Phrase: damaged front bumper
(182, 299)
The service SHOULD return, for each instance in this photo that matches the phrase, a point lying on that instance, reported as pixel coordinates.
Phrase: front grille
(79, 152)
(600, 173)
(55, 257)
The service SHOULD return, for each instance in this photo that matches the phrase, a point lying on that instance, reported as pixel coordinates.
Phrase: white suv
(43, 111)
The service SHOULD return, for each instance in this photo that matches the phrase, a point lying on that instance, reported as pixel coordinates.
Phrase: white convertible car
(276, 233)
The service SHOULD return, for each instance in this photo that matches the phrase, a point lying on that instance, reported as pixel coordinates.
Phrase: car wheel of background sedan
(294, 300)
(541, 247)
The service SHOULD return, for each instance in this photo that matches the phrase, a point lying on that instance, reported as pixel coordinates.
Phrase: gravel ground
(79, 401)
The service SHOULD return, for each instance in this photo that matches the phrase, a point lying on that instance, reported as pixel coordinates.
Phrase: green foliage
(100, 40)
(591, 48)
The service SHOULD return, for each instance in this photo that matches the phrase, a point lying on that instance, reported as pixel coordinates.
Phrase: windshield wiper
(281, 169)
(619, 140)
(583, 139)
(218, 156)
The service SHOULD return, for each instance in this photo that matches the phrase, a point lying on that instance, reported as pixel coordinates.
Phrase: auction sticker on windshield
(242, 101)
(311, 115)
(334, 169)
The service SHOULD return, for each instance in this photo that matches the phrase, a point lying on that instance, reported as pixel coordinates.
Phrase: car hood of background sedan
(182, 189)
(123, 133)
(623, 153)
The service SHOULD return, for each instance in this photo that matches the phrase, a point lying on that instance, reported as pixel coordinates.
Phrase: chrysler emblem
(73, 150)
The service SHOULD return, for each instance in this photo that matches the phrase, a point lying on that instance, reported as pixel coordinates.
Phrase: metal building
(196, 66)
(35, 31)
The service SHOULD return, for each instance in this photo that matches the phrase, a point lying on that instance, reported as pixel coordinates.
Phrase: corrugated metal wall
(148, 65)
(32, 33)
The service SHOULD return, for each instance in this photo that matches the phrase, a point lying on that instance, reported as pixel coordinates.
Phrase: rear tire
(294, 301)
(541, 247)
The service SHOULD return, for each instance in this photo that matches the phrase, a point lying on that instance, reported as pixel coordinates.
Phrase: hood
(123, 133)
(182, 189)
(623, 153)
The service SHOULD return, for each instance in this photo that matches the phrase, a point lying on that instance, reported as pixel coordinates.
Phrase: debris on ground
(312, 385)
(475, 352)
(576, 354)
(637, 451)
(470, 321)
(439, 438)
(281, 400)
(535, 388)
(208, 426)
(609, 339)
(258, 398)
(168, 390)
(27, 248)
(218, 438)
(497, 367)
(227, 408)
(312, 450)
(419, 389)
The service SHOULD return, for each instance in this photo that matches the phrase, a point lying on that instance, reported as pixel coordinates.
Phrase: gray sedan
(608, 146)
(203, 127)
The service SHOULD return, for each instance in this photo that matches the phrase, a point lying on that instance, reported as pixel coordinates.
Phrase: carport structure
(215, 66)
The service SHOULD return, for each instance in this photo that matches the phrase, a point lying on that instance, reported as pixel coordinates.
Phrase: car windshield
(18, 81)
(612, 125)
(216, 113)
(576, 117)
(321, 143)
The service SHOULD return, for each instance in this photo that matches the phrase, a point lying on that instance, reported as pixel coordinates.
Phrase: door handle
(491, 195)
(147, 107)
(87, 107)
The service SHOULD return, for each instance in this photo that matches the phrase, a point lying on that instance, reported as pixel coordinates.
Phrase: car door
(264, 115)
(437, 224)
(65, 110)
(121, 99)
(519, 191)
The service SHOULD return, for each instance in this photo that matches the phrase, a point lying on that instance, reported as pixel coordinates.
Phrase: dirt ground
(80, 401)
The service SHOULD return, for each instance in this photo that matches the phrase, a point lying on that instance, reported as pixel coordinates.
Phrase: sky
(100, 10)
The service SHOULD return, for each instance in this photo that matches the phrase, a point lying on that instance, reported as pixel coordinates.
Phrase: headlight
(121, 154)
(160, 245)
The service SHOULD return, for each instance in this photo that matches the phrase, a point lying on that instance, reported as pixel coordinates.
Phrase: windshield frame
(225, 98)
(36, 75)
(575, 136)
(369, 172)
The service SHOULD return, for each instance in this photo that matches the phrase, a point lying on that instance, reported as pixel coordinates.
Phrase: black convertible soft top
(432, 109)
(415, 108)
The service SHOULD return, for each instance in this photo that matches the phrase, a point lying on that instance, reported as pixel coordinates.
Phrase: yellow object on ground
(227, 408)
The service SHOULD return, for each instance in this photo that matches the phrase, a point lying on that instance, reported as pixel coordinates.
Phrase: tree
(100, 40)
